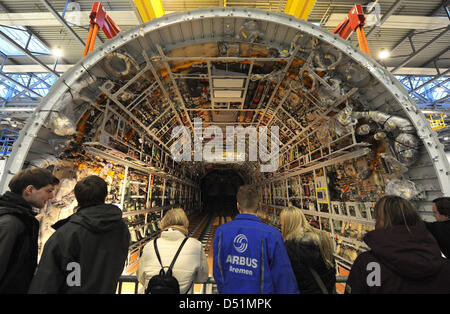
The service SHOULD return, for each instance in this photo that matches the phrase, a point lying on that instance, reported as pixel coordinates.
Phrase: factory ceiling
(419, 21)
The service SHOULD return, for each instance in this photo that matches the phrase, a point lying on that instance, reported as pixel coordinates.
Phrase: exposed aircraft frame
(186, 28)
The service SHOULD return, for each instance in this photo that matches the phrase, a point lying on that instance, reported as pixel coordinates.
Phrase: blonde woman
(191, 265)
(310, 252)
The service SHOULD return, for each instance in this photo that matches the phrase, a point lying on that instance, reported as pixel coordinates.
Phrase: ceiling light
(384, 54)
(57, 52)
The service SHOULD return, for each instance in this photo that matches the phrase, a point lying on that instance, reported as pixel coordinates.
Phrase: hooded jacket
(304, 254)
(86, 254)
(250, 258)
(441, 232)
(400, 261)
(19, 231)
(190, 267)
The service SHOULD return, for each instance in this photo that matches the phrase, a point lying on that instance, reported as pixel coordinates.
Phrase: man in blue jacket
(249, 256)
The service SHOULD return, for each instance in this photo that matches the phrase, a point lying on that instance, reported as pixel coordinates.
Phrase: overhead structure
(62, 21)
(99, 20)
(299, 8)
(348, 130)
(354, 21)
(149, 9)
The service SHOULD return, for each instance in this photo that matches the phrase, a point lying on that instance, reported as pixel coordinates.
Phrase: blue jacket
(250, 258)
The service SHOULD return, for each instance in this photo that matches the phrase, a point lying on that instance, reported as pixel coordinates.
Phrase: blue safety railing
(7, 139)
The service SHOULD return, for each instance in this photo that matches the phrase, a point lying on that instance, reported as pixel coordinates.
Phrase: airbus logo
(240, 243)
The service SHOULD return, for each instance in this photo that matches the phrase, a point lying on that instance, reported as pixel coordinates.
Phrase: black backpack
(165, 283)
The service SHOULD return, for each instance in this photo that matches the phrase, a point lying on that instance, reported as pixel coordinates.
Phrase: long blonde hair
(294, 226)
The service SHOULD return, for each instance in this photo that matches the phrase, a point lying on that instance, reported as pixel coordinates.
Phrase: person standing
(249, 256)
(19, 228)
(403, 257)
(440, 229)
(88, 250)
(190, 266)
(310, 252)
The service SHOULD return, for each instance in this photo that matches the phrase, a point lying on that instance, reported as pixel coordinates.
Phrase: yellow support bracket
(149, 9)
(299, 8)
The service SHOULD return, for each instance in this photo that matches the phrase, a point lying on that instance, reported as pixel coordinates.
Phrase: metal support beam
(62, 21)
(18, 84)
(136, 11)
(282, 77)
(177, 90)
(29, 30)
(443, 99)
(32, 68)
(420, 51)
(149, 9)
(447, 10)
(391, 11)
(430, 81)
(39, 81)
(28, 53)
(412, 32)
(299, 8)
(17, 109)
(436, 59)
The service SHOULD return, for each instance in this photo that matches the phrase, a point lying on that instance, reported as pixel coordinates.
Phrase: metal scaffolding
(430, 93)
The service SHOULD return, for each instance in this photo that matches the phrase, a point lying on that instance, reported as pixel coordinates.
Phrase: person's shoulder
(10, 218)
(438, 227)
(442, 224)
(66, 231)
(193, 241)
(227, 225)
(270, 230)
(66, 225)
(11, 222)
(364, 258)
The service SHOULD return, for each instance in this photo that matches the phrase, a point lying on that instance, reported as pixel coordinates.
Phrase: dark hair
(443, 205)
(248, 198)
(395, 211)
(90, 191)
(37, 177)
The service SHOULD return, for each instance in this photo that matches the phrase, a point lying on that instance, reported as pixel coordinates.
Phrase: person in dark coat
(88, 250)
(310, 252)
(404, 257)
(440, 229)
(19, 228)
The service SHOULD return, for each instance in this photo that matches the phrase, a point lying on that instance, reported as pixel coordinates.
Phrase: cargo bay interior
(349, 130)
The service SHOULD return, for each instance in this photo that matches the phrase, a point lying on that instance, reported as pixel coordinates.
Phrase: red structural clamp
(99, 16)
(354, 19)
(99, 19)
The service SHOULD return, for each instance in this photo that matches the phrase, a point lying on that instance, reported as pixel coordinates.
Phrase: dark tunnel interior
(218, 190)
